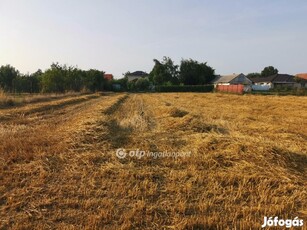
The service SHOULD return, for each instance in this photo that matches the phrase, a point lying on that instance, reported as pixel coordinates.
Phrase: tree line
(58, 78)
(62, 78)
(167, 73)
(190, 72)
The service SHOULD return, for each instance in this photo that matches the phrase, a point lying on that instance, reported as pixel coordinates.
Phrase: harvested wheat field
(247, 159)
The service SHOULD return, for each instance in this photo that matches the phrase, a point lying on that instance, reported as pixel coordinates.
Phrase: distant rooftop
(225, 78)
(108, 76)
(275, 78)
(138, 73)
(302, 76)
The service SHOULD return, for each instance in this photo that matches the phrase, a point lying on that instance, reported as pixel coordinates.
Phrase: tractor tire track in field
(131, 124)
(121, 124)
(128, 121)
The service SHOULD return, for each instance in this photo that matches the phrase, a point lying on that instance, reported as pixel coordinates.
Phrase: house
(108, 76)
(274, 81)
(233, 79)
(262, 83)
(136, 75)
(301, 78)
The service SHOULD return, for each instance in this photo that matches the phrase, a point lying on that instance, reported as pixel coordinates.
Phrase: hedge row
(185, 88)
(294, 92)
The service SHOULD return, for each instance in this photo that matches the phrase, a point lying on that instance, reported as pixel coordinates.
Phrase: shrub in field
(178, 112)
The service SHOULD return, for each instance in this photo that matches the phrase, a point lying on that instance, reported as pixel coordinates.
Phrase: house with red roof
(302, 79)
(301, 75)
(108, 76)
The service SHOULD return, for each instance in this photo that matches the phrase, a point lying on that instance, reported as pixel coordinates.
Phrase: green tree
(269, 71)
(7, 75)
(73, 78)
(26, 84)
(94, 80)
(195, 73)
(61, 78)
(163, 72)
(53, 80)
(131, 85)
(157, 75)
(171, 70)
(123, 82)
(35, 82)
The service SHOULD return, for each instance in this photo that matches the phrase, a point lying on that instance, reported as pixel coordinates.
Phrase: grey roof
(225, 78)
(286, 78)
(277, 78)
(263, 79)
(138, 73)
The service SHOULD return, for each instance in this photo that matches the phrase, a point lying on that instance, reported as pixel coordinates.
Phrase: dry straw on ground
(58, 167)
(11, 99)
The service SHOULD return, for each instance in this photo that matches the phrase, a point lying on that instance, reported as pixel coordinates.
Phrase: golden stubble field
(59, 170)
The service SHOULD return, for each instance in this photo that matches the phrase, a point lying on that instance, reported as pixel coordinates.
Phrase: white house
(136, 75)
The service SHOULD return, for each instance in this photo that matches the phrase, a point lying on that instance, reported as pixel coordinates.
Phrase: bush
(185, 88)
(283, 92)
(142, 84)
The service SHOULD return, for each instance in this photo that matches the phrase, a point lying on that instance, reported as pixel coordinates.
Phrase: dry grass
(10, 100)
(58, 167)
(5, 99)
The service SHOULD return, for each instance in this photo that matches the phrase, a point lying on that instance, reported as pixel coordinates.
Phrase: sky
(116, 36)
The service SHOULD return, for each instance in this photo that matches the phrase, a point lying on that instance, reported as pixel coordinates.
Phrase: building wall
(284, 85)
(131, 78)
(262, 86)
(239, 89)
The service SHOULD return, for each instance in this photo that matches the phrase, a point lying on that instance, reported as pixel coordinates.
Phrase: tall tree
(53, 80)
(164, 72)
(171, 70)
(269, 71)
(36, 79)
(158, 73)
(7, 75)
(195, 73)
(94, 80)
